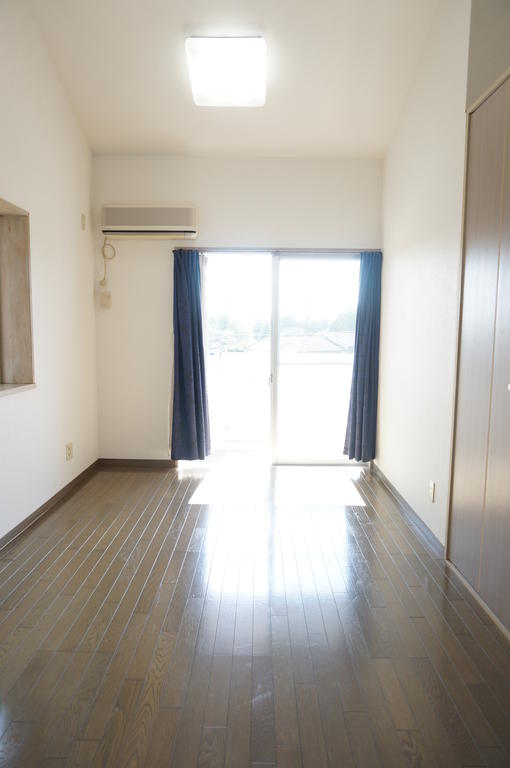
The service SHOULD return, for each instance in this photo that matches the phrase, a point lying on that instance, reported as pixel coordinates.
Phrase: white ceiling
(338, 73)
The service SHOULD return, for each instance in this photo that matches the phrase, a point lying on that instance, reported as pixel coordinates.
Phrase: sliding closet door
(495, 554)
(481, 245)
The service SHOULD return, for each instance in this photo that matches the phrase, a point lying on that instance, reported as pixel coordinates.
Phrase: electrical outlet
(432, 491)
(69, 451)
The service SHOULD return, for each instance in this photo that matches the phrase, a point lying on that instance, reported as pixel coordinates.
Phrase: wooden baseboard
(43, 510)
(412, 518)
(136, 463)
(483, 605)
(76, 483)
(416, 521)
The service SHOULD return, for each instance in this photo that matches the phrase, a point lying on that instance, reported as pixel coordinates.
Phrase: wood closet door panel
(495, 555)
(481, 245)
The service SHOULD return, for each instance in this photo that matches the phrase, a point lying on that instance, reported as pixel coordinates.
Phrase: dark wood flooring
(137, 629)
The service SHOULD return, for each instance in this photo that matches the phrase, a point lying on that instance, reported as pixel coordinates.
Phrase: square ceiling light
(227, 71)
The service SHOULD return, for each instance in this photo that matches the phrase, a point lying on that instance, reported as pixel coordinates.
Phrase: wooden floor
(265, 628)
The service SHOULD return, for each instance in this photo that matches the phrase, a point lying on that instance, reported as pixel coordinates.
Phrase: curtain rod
(283, 251)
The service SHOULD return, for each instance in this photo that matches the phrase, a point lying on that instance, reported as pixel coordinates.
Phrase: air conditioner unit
(149, 221)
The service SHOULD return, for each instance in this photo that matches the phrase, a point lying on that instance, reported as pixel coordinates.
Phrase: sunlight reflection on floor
(236, 480)
(317, 486)
(263, 526)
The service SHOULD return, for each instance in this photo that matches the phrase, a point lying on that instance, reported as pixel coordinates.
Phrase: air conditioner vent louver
(146, 221)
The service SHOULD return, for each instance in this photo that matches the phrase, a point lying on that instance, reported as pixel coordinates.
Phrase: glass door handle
(270, 380)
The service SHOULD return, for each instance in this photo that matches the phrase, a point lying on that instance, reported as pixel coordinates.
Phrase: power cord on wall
(106, 257)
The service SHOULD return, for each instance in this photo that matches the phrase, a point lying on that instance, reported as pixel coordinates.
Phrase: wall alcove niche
(16, 356)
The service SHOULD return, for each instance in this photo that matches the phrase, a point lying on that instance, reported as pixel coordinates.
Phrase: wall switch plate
(83, 221)
(432, 491)
(69, 451)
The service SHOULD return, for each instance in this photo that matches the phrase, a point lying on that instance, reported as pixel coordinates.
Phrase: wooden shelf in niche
(16, 354)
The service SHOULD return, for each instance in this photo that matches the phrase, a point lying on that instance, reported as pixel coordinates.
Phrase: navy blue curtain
(362, 420)
(190, 421)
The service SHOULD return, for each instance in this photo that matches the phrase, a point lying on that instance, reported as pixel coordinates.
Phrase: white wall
(45, 169)
(241, 202)
(423, 183)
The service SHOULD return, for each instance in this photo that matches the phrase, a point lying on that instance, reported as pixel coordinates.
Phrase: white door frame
(275, 332)
(277, 254)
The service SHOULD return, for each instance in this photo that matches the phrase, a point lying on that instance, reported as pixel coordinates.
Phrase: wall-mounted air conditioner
(149, 221)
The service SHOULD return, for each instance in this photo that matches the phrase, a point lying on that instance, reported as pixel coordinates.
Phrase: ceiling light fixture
(227, 71)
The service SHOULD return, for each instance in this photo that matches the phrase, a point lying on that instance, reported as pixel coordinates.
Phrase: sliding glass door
(314, 314)
(280, 344)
